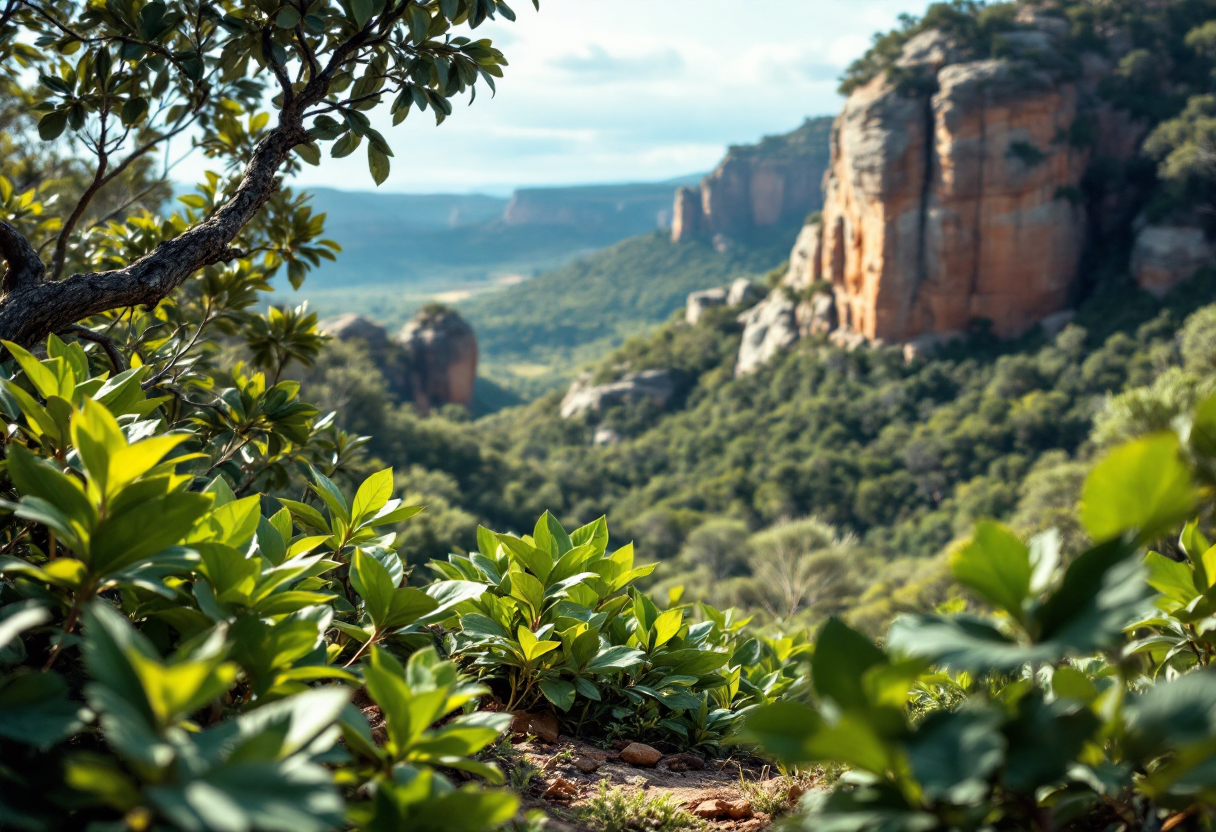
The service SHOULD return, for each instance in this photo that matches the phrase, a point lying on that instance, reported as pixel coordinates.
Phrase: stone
(605, 436)
(959, 204)
(585, 764)
(719, 809)
(583, 397)
(641, 755)
(1167, 255)
(816, 316)
(769, 328)
(442, 357)
(755, 187)
(1053, 325)
(806, 266)
(542, 725)
(561, 789)
(686, 215)
(795, 793)
(743, 292)
(698, 302)
(684, 762)
(352, 327)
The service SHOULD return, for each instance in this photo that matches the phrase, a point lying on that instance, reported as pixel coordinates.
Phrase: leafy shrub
(181, 634)
(1083, 702)
(561, 621)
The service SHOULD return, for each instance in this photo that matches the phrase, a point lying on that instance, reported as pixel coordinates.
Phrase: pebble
(638, 754)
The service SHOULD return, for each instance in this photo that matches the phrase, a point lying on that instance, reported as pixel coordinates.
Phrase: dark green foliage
(1085, 702)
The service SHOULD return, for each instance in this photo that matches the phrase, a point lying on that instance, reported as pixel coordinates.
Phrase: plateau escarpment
(959, 189)
(775, 182)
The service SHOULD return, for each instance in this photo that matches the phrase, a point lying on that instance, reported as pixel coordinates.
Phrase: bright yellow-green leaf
(1143, 486)
(995, 565)
(666, 626)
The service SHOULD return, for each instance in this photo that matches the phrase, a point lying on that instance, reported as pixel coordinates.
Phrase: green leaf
(995, 565)
(372, 495)
(52, 125)
(309, 152)
(374, 585)
(538, 562)
(559, 692)
(134, 111)
(666, 626)
(1172, 579)
(377, 163)
(362, 11)
(842, 656)
(287, 18)
(35, 709)
(1143, 486)
(529, 590)
(953, 754)
(347, 144)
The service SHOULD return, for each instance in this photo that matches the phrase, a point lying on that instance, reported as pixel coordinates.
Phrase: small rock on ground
(561, 789)
(684, 762)
(724, 810)
(543, 725)
(639, 754)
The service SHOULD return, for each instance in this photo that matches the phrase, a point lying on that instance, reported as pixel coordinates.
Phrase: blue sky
(628, 90)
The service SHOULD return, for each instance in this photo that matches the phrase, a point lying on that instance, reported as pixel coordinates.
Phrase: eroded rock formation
(757, 186)
(442, 351)
(955, 191)
(583, 398)
(1166, 255)
(432, 362)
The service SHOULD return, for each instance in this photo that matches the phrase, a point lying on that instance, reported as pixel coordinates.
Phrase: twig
(104, 341)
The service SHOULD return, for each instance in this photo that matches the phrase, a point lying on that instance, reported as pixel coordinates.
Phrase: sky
(602, 91)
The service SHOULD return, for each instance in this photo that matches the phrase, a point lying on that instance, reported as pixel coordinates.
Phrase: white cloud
(628, 90)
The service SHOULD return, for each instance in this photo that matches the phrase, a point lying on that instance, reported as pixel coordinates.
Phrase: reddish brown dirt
(570, 771)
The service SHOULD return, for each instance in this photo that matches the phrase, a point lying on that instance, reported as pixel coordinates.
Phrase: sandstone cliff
(758, 186)
(955, 190)
(432, 362)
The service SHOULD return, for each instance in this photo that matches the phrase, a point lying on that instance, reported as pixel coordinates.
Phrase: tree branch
(104, 341)
(34, 308)
(25, 269)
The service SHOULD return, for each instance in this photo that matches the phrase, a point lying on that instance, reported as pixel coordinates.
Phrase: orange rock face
(959, 205)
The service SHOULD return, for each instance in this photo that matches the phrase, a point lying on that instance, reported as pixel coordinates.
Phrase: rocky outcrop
(583, 398)
(1166, 255)
(442, 351)
(432, 362)
(758, 186)
(352, 327)
(740, 293)
(769, 328)
(955, 192)
(698, 302)
(743, 292)
(806, 265)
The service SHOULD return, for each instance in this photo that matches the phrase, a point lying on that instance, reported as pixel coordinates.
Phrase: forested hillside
(534, 337)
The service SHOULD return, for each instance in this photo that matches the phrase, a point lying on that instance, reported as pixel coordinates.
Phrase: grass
(618, 810)
(772, 796)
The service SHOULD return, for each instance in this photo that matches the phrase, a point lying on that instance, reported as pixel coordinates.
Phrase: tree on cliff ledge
(257, 86)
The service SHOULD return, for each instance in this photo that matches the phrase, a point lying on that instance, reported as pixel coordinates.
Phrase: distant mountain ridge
(429, 242)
